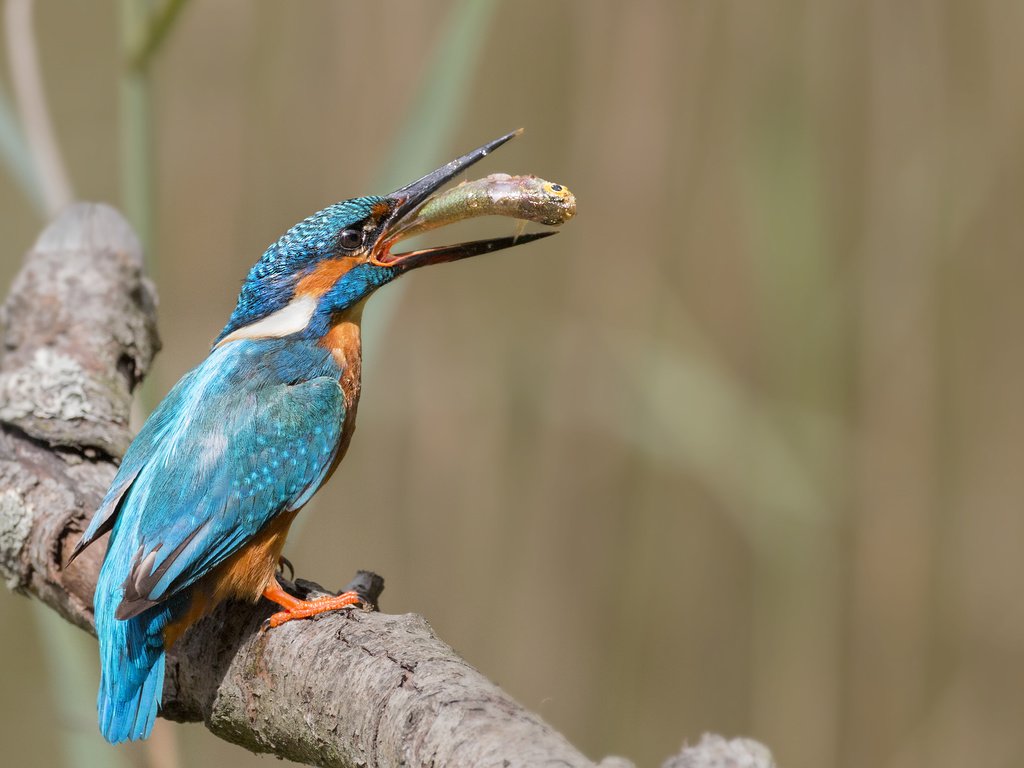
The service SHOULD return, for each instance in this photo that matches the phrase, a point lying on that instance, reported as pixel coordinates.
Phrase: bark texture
(352, 689)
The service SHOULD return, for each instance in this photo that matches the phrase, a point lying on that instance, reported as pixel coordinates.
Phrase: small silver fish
(527, 198)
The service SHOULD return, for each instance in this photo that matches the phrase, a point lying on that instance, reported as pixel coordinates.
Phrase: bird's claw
(308, 608)
(282, 563)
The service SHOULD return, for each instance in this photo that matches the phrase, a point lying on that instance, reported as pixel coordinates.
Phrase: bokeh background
(738, 451)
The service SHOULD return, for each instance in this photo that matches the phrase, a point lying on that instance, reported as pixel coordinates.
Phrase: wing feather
(208, 488)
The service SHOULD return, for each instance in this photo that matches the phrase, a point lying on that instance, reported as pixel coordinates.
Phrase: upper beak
(410, 197)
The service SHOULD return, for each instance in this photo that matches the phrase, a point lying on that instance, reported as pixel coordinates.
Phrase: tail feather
(131, 665)
(131, 717)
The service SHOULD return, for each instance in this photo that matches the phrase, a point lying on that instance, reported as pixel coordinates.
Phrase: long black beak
(410, 197)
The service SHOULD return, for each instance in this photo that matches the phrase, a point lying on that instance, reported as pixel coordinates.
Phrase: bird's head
(328, 263)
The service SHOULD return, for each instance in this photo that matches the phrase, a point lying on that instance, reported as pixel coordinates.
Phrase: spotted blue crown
(270, 284)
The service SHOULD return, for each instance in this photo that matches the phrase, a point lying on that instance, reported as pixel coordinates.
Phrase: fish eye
(556, 189)
(350, 239)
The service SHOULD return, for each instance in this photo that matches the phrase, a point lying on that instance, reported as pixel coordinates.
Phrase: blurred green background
(737, 452)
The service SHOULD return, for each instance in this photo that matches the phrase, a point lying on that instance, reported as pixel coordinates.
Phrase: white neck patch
(292, 318)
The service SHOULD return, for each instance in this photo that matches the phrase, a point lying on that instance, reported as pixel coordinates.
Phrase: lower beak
(410, 197)
(413, 259)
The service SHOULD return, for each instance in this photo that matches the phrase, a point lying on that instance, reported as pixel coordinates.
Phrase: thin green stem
(136, 163)
(437, 109)
(160, 24)
(441, 98)
(433, 115)
(14, 154)
(34, 114)
(71, 673)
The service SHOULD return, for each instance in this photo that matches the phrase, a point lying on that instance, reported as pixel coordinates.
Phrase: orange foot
(294, 608)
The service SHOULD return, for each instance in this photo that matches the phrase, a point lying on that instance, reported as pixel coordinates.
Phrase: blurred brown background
(739, 451)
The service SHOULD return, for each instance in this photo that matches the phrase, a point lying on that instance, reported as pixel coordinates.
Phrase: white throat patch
(292, 318)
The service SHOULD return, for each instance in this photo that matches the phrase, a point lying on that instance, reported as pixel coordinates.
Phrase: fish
(525, 198)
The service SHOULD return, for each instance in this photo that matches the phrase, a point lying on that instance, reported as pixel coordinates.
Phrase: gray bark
(346, 689)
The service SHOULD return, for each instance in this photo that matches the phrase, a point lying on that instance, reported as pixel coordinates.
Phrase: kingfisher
(201, 504)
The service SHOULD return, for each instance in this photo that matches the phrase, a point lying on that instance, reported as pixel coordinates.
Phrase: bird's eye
(350, 239)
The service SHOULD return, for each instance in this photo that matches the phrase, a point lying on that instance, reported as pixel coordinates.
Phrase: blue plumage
(248, 434)
(271, 281)
(131, 666)
(200, 506)
(238, 440)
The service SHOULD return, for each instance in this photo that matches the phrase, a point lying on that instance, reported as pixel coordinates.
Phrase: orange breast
(344, 342)
(244, 575)
(247, 572)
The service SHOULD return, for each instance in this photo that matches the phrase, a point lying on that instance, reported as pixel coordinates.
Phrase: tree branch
(348, 689)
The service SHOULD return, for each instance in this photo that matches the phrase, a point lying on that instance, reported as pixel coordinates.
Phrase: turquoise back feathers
(250, 433)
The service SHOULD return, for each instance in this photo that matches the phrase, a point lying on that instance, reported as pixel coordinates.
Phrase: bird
(201, 504)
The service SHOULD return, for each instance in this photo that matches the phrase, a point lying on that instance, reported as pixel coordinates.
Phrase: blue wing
(229, 448)
(248, 434)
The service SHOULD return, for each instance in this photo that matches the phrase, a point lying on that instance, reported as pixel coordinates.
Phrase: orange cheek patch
(380, 210)
(323, 276)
